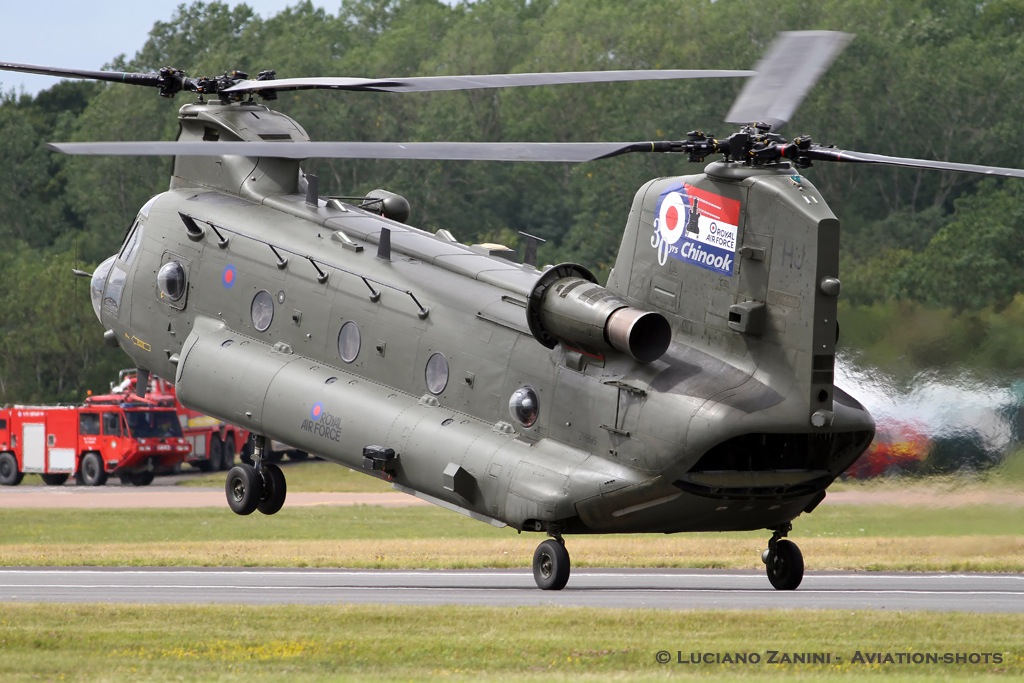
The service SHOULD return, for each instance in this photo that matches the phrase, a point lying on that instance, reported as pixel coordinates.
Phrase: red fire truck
(132, 439)
(214, 443)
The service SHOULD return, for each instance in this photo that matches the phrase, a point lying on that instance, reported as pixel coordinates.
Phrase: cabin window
(437, 373)
(170, 280)
(348, 342)
(262, 310)
(524, 406)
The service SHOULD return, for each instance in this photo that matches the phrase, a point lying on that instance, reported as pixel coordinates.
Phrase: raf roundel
(317, 411)
(673, 214)
(228, 277)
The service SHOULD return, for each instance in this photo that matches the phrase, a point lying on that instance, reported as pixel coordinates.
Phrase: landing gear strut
(258, 486)
(783, 561)
(551, 564)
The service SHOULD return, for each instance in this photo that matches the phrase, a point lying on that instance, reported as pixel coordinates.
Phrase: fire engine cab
(214, 443)
(107, 436)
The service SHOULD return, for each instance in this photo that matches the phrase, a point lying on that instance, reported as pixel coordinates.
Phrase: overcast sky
(86, 35)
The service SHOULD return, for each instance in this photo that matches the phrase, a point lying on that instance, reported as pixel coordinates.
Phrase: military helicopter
(694, 392)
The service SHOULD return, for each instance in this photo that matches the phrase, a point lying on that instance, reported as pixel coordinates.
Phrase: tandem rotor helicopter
(694, 392)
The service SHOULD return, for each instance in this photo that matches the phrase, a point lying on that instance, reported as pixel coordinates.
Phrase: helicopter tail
(744, 265)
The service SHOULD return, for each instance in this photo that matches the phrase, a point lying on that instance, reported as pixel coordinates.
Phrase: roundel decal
(228, 276)
(317, 411)
(673, 214)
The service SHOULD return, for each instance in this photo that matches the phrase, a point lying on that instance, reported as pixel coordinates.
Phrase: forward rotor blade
(452, 151)
(846, 156)
(784, 76)
(468, 82)
(152, 80)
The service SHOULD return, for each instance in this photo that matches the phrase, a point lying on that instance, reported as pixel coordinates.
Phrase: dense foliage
(922, 78)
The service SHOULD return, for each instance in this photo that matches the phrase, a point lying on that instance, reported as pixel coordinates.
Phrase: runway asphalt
(662, 589)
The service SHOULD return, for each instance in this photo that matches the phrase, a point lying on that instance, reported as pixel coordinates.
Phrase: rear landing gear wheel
(275, 488)
(244, 488)
(551, 565)
(784, 563)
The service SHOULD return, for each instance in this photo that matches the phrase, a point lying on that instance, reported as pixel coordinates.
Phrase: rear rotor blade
(794, 63)
(846, 156)
(439, 83)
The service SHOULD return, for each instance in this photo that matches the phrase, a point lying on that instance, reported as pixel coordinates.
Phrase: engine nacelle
(568, 305)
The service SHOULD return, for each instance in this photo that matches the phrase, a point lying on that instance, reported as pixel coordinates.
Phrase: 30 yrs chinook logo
(696, 226)
(322, 423)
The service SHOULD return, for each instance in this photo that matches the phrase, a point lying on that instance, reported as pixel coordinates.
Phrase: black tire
(142, 478)
(91, 469)
(551, 565)
(216, 453)
(298, 456)
(9, 474)
(785, 565)
(55, 478)
(243, 489)
(227, 453)
(274, 491)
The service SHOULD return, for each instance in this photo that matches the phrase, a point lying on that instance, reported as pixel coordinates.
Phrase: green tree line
(922, 78)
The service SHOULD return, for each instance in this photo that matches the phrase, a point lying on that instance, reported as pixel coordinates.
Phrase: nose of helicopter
(99, 279)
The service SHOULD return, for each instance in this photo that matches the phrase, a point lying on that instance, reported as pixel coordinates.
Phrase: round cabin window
(348, 342)
(437, 373)
(262, 310)
(170, 280)
(524, 406)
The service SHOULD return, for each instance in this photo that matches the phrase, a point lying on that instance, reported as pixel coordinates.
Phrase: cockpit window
(114, 289)
(131, 245)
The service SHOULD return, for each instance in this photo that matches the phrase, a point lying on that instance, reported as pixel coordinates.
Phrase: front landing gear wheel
(275, 488)
(551, 565)
(244, 488)
(785, 564)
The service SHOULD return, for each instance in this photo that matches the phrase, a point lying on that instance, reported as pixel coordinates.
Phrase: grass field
(110, 642)
(390, 643)
(980, 538)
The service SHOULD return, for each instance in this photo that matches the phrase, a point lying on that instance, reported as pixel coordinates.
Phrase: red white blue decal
(696, 226)
(228, 276)
(322, 424)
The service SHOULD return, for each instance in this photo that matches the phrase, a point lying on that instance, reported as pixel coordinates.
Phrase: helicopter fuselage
(417, 359)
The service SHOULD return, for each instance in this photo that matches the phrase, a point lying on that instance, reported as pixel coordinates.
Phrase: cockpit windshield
(143, 424)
